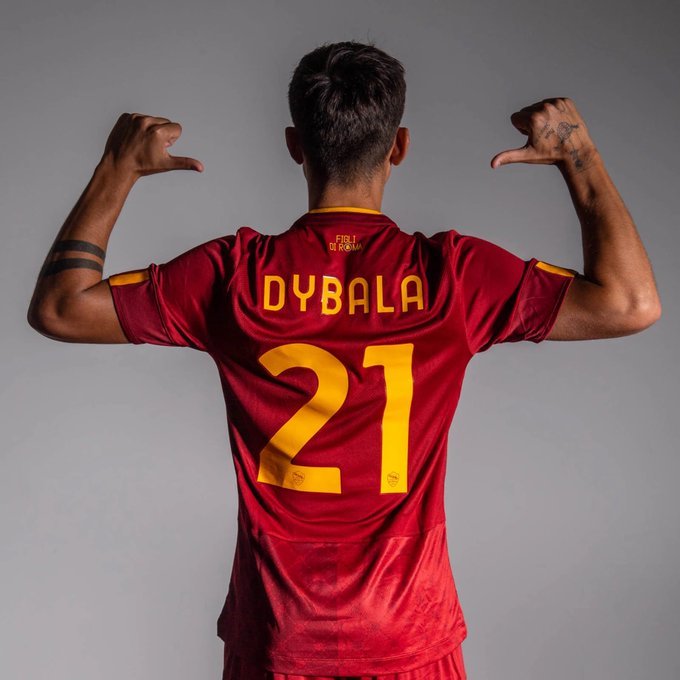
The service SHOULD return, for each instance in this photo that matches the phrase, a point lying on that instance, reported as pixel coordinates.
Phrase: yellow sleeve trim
(552, 268)
(129, 277)
(346, 208)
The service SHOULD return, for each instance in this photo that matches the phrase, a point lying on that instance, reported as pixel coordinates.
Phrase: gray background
(117, 492)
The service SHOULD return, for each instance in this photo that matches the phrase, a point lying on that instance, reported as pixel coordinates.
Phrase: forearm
(75, 260)
(613, 254)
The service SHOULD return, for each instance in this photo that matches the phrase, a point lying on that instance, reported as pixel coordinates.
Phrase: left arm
(617, 294)
(71, 302)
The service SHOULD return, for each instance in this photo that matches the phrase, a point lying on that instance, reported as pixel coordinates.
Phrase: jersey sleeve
(174, 303)
(503, 297)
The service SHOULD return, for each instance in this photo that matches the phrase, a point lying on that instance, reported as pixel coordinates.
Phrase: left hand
(139, 144)
(556, 134)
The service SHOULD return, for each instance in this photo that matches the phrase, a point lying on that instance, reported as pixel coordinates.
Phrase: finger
(524, 154)
(558, 102)
(185, 163)
(536, 106)
(522, 119)
(147, 121)
(169, 132)
(150, 121)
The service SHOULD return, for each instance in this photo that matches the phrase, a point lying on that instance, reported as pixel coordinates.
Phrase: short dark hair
(346, 100)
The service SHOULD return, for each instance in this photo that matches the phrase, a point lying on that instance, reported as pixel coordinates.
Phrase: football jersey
(341, 346)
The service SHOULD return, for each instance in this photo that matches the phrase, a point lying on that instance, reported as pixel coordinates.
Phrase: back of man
(341, 345)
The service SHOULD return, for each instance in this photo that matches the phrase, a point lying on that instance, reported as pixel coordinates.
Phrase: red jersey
(341, 346)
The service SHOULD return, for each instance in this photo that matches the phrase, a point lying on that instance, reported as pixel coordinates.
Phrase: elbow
(643, 313)
(35, 318)
(39, 323)
(649, 314)
(44, 322)
(628, 313)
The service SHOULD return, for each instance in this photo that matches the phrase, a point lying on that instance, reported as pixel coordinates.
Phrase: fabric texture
(341, 346)
(449, 667)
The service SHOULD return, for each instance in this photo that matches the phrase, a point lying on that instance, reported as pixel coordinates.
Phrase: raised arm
(616, 295)
(71, 302)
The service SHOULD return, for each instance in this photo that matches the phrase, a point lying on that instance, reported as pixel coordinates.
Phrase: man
(342, 345)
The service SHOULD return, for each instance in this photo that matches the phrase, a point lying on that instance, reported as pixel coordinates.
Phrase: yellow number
(276, 466)
(396, 360)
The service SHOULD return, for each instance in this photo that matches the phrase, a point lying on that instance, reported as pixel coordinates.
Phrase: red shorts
(449, 667)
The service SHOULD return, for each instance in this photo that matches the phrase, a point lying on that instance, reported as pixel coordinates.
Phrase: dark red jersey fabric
(341, 345)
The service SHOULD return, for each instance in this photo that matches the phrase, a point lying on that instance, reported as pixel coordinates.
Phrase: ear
(400, 147)
(293, 144)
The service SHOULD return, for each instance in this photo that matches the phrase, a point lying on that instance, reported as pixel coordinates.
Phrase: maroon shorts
(449, 667)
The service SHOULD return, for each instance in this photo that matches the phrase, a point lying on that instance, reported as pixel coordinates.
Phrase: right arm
(71, 302)
(616, 295)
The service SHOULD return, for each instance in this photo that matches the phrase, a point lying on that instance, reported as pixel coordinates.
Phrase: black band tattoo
(83, 246)
(69, 263)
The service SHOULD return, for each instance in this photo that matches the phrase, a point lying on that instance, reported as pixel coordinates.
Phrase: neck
(360, 196)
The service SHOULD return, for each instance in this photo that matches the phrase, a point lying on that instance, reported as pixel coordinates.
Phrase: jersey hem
(352, 666)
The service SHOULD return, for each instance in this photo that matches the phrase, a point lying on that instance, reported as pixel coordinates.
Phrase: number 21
(276, 458)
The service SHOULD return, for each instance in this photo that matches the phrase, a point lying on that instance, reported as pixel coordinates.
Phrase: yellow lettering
(358, 292)
(382, 307)
(276, 458)
(396, 361)
(417, 297)
(268, 280)
(355, 301)
(331, 291)
(303, 297)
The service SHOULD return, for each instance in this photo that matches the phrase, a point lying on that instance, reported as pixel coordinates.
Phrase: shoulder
(228, 245)
(469, 247)
(468, 255)
(440, 239)
(449, 242)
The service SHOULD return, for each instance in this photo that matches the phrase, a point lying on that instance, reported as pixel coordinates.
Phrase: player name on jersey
(331, 296)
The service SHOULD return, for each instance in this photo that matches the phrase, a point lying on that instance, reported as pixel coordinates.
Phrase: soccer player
(341, 346)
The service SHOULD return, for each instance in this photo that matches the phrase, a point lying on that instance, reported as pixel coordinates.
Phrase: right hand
(556, 134)
(138, 144)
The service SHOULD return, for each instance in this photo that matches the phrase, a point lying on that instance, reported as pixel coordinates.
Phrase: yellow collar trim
(346, 208)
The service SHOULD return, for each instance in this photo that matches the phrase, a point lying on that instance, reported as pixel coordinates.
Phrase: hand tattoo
(564, 131)
(546, 131)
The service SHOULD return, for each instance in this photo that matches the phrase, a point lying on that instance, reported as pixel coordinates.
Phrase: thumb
(523, 154)
(185, 163)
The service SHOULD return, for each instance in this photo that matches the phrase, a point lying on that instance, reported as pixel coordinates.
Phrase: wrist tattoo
(83, 246)
(57, 266)
(578, 163)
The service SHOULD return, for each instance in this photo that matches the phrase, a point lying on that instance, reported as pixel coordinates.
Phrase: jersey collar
(345, 208)
(359, 218)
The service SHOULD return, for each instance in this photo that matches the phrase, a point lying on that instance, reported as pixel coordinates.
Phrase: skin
(615, 295)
